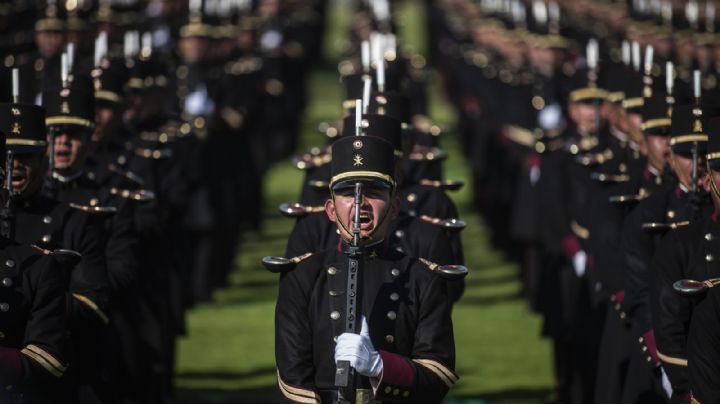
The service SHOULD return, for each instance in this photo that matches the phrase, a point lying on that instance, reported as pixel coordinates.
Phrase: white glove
(666, 383)
(359, 351)
(579, 263)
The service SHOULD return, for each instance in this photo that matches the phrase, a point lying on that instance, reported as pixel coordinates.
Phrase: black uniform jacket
(56, 225)
(703, 349)
(408, 314)
(32, 320)
(687, 253)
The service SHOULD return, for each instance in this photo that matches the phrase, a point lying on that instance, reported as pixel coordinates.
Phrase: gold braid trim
(93, 306)
(44, 359)
(445, 374)
(297, 394)
(671, 360)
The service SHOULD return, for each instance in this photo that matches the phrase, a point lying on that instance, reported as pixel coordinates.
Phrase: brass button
(411, 197)
(388, 389)
(10, 264)
(7, 282)
(335, 338)
(649, 359)
(709, 258)
(641, 340)
(412, 212)
(333, 293)
(394, 297)
(331, 271)
(406, 394)
(670, 214)
(395, 272)
(396, 392)
(389, 339)
(46, 238)
(709, 237)
(391, 315)
(4, 307)
(94, 201)
(2, 335)
(335, 315)
(47, 220)
(399, 233)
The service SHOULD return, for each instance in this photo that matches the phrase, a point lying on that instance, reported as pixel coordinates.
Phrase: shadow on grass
(478, 280)
(511, 396)
(260, 395)
(207, 393)
(488, 300)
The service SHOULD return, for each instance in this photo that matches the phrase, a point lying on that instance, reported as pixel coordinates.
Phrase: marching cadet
(685, 253)
(313, 312)
(70, 122)
(34, 320)
(66, 231)
(702, 348)
(566, 194)
(416, 236)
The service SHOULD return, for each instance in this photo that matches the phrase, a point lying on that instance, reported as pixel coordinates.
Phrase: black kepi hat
(24, 125)
(380, 126)
(713, 144)
(362, 158)
(687, 127)
(655, 116)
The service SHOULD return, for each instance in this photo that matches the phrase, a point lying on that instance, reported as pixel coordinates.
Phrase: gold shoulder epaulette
(242, 66)
(659, 228)
(427, 154)
(450, 185)
(298, 210)
(156, 154)
(282, 264)
(94, 209)
(308, 160)
(140, 195)
(610, 178)
(592, 159)
(126, 173)
(693, 287)
(451, 272)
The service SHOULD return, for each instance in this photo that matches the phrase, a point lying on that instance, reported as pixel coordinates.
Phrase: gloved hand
(667, 386)
(359, 351)
(579, 263)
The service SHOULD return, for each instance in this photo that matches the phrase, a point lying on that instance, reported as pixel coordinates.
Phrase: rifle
(345, 377)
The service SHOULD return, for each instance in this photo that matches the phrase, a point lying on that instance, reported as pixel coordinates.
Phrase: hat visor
(685, 149)
(371, 182)
(714, 164)
(663, 131)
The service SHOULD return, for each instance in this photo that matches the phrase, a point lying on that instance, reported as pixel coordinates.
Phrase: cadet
(401, 301)
(58, 227)
(33, 318)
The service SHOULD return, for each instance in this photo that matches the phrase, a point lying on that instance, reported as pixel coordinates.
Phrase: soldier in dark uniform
(702, 340)
(72, 233)
(390, 363)
(703, 349)
(686, 253)
(34, 321)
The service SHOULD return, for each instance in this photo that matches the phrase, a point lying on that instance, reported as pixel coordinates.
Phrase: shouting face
(69, 150)
(377, 209)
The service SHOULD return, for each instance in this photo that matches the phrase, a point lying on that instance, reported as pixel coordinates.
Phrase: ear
(330, 210)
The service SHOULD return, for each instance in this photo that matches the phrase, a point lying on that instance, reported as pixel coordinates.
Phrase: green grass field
(228, 354)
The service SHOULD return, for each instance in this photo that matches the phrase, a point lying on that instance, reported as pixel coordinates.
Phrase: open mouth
(366, 221)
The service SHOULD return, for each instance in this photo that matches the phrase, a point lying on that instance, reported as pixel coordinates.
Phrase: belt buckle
(364, 396)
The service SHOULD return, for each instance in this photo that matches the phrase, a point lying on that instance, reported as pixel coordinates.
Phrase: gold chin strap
(345, 227)
(678, 173)
(713, 186)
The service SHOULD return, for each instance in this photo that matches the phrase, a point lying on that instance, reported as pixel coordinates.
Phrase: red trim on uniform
(570, 245)
(715, 215)
(647, 174)
(687, 398)
(10, 366)
(678, 192)
(396, 370)
(619, 296)
(532, 160)
(649, 338)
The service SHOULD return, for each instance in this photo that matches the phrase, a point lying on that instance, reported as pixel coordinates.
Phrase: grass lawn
(228, 355)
